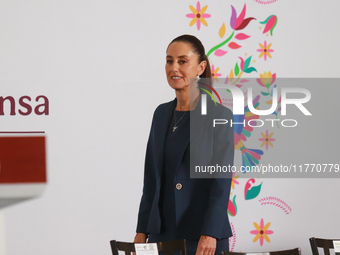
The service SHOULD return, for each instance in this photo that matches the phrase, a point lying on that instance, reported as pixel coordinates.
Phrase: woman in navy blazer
(173, 205)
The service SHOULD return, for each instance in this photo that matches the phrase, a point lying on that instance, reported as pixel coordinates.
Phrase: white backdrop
(101, 65)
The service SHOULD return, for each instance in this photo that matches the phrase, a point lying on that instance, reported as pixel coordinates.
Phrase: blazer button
(178, 186)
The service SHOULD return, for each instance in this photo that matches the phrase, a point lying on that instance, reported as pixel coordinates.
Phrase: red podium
(22, 168)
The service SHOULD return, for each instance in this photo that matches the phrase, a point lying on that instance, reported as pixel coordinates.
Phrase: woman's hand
(140, 238)
(206, 246)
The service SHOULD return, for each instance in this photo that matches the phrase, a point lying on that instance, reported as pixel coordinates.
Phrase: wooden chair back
(167, 247)
(326, 244)
(295, 251)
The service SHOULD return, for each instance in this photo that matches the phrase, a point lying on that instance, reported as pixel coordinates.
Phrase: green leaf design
(264, 22)
(264, 93)
(253, 192)
(221, 44)
(246, 63)
(267, 85)
(271, 30)
(246, 133)
(236, 70)
(249, 70)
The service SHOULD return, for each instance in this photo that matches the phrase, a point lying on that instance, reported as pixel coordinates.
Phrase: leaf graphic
(242, 63)
(220, 53)
(242, 36)
(234, 46)
(237, 69)
(264, 93)
(264, 22)
(233, 17)
(247, 62)
(221, 33)
(269, 102)
(245, 23)
(226, 80)
(249, 70)
(231, 76)
(253, 192)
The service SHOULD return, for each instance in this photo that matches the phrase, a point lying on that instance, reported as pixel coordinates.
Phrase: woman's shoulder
(165, 106)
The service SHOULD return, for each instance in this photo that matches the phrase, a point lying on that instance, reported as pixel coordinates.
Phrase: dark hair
(198, 48)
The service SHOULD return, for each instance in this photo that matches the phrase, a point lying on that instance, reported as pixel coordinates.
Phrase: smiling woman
(186, 59)
(182, 64)
(174, 206)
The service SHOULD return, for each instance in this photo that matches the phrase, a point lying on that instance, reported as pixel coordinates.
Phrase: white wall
(101, 65)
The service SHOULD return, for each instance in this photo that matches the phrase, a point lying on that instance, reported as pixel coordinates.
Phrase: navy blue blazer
(201, 204)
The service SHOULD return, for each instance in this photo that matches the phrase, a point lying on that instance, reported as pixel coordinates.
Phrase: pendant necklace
(176, 122)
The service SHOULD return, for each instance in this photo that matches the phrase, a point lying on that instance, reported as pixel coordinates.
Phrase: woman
(175, 206)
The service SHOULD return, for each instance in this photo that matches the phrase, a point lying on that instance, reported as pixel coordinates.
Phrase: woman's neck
(187, 99)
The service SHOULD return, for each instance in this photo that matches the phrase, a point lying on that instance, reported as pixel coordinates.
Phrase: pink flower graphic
(270, 22)
(265, 50)
(267, 139)
(240, 22)
(198, 15)
(214, 73)
(261, 232)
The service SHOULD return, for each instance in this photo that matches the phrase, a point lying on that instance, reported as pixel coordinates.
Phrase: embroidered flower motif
(234, 180)
(232, 207)
(265, 50)
(214, 73)
(267, 139)
(236, 23)
(266, 79)
(261, 232)
(270, 23)
(198, 15)
(240, 22)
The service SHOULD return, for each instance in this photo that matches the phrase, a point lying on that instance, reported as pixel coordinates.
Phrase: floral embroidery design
(198, 15)
(261, 232)
(265, 50)
(267, 139)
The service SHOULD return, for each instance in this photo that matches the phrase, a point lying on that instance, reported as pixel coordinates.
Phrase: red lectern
(22, 168)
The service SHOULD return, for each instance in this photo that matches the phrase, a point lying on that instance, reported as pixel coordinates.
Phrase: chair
(295, 251)
(326, 244)
(167, 247)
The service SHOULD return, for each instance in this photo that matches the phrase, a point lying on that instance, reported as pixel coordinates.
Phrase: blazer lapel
(161, 128)
(196, 119)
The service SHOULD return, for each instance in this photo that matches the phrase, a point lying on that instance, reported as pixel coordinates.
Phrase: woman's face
(182, 64)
